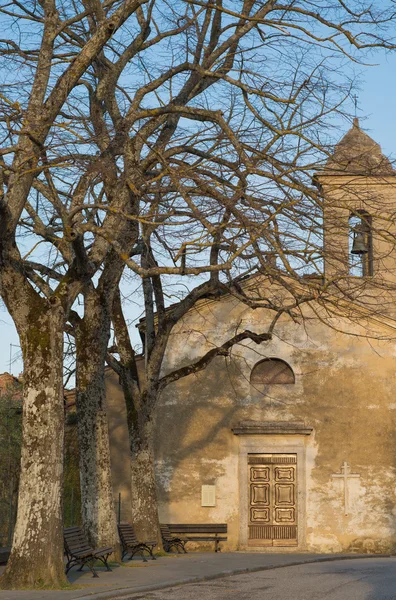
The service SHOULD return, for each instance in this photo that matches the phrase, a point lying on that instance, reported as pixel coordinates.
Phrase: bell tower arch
(358, 187)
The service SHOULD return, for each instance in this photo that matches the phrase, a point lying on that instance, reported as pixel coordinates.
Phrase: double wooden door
(272, 499)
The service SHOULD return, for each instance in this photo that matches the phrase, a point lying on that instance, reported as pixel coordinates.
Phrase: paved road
(339, 580)
(138, 578)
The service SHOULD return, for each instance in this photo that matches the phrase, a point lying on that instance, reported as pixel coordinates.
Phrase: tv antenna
(11, 361)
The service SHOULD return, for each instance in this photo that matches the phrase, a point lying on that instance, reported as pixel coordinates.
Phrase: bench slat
(197, 528)
(196, 532)
(203, 538)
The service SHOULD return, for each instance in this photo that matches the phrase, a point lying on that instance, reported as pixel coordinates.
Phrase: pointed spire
(357, 152)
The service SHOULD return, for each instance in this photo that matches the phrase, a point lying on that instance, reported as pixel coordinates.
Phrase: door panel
(260, 494)
(272, 499)
(261, 515)
(284, 474)
(284, 494)
(260, 474)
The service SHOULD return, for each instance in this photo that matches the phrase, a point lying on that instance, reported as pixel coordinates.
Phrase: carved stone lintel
(271, 428)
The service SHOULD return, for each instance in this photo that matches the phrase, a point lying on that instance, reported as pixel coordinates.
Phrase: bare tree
(32, 127)
(131, 119)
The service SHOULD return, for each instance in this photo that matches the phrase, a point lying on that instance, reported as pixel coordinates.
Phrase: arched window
(271, 371)
(360, 244)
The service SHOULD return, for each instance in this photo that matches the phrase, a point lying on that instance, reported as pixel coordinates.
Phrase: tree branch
(223, 350)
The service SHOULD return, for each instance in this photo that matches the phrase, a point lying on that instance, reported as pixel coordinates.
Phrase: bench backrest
(165, 532)
(127, 534)
(197, 528)
(75, 540)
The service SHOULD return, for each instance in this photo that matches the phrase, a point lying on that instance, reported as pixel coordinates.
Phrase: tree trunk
(139, 406)
(144, 492)
(36, 559)
(97, 501)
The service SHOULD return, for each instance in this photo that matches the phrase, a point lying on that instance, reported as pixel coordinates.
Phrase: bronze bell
(359, 245)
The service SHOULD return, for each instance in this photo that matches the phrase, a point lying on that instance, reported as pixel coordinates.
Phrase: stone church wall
(344, 390)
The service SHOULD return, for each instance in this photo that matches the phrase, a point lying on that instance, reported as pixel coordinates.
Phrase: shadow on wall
(199, 447)
(119, 446)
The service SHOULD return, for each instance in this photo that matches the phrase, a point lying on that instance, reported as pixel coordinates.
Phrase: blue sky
(376, 103)
(376, 109)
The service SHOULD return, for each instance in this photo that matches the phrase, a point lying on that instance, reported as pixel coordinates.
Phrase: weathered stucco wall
(344, 390)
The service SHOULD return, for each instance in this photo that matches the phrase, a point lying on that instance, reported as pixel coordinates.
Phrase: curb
(127, 592)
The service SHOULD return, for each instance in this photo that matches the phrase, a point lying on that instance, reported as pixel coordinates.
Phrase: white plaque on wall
(208, 495)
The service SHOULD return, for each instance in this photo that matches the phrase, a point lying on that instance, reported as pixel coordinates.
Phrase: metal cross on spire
(355, 100)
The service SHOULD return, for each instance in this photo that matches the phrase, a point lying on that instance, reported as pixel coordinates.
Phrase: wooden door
(272, 499)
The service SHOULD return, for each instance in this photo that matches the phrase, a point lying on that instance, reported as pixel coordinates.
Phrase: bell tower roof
(358, 153)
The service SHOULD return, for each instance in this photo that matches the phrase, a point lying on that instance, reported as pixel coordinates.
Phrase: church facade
(292, 442)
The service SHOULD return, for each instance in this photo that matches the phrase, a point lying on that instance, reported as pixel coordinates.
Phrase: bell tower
(358, 187)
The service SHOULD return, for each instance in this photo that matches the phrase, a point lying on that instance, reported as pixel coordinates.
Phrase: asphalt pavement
(338, 580)
(136, 577)
(173, 569)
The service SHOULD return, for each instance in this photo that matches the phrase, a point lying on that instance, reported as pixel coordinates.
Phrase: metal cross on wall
(346, 475)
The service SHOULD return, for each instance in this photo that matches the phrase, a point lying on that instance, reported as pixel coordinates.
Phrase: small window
(271, 371)
(360, 244)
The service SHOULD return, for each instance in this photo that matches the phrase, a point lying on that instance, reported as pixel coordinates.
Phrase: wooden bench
(79, 552)
(170, 541)
(4, 555)
(201, 532)
(131, 544)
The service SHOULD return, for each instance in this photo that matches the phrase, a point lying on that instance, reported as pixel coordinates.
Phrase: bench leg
(107, 564)
(136, 551)
(91, 568)
(69, 565)
(177, 546)
(150, 551)
(103, 559)
(72, 562)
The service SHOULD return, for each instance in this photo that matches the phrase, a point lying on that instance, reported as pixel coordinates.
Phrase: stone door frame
(274, 444)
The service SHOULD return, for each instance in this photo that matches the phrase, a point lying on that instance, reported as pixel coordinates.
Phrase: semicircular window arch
(272, 371)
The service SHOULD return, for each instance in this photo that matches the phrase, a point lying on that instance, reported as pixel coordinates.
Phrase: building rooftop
(9, 383)
(357, 152)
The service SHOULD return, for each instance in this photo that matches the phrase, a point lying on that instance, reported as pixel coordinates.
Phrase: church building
(292, 442)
